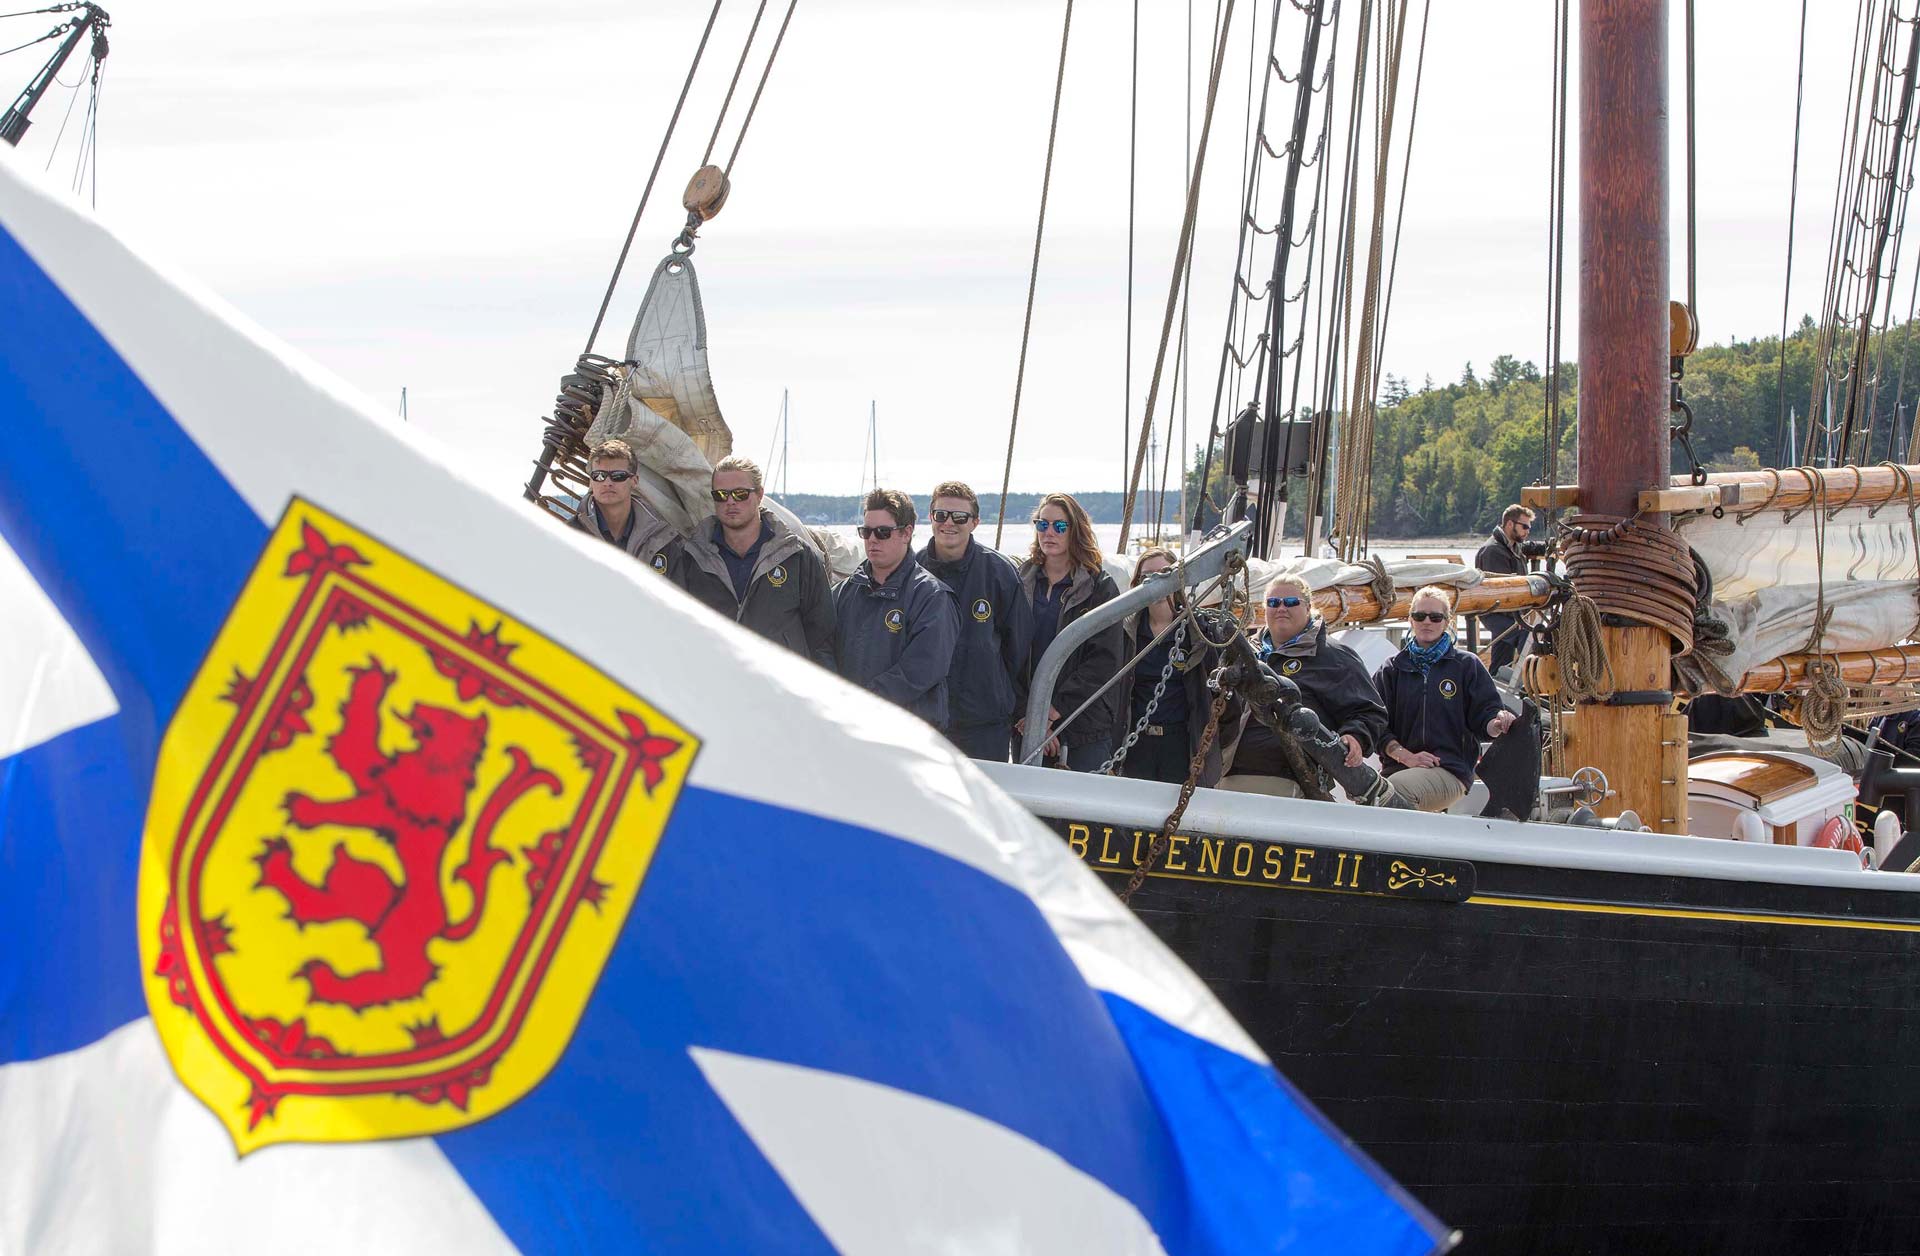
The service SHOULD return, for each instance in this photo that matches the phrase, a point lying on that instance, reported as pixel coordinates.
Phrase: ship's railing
(1205, 564)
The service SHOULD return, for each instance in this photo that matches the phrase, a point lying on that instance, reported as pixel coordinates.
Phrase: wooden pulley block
(1541, 675)
(1683, 337)
(706, 192)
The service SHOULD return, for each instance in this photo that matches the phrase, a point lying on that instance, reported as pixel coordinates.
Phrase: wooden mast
(1624, 345)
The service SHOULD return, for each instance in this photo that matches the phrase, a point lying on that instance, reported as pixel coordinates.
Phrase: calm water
(1016, 542)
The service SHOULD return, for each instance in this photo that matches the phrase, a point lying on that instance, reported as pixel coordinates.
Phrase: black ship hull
(1558, 1056)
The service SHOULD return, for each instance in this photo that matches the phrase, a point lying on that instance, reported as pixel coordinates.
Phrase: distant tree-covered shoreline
(1449, 457)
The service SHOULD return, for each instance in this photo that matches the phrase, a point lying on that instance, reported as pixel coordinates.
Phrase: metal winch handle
(1275, 701)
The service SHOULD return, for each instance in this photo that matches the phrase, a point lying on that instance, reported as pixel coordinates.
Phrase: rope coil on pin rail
(1629, 568)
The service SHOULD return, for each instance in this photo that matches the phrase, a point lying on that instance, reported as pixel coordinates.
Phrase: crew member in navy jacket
(996, 625)
(1440, 702)
(895, 621)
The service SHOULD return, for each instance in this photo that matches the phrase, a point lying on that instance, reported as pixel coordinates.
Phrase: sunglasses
(960, 517)
(1428, 617)
(730, 494)
(618, 477)
(1524, 527)
(1274, 603)
(1058, 525)
(883, 531)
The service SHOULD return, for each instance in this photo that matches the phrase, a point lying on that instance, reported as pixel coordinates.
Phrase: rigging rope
(1033, 279)
(1356, 470)
(726, 102)
(1556, 250)
(1839, 229)
(55, 33)
(647, 191)
(766, 71)
(1183, 256)
(1406, 168)
(1133, 165)
(1250, 167)
(1327, 451)
(66, 117)
(1693, 308)
(1793, 202)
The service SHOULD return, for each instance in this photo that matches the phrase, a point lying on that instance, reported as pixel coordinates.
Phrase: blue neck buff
(1425, 656)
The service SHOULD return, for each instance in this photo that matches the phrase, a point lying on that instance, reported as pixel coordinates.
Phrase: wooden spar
(1624, 347)
(1356, 604)
(1746, 492)
(1893, 665)
(1795, 488)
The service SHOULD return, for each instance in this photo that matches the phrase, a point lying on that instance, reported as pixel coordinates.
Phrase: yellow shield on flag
(392, 839)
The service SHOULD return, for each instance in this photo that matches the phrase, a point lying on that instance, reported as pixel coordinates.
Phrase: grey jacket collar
(782, 545)
(1078, 591)
(649, 529)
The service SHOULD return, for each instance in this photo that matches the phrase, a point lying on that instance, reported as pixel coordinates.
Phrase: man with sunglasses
(995, 626)
(612, 512)
(896, 623)
(1501, 556)
(1333, 683)
(749, 565)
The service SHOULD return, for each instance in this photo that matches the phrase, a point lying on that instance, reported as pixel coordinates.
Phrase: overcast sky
(431, 195)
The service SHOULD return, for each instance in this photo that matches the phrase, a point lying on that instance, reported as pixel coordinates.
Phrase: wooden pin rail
(1356, 603)
(1894, 665)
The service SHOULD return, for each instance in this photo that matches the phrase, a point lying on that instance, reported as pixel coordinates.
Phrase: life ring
(1838, 834)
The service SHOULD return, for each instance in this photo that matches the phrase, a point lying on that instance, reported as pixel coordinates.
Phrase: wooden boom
(1356, 603)
(1893, 665)
(1748, 492)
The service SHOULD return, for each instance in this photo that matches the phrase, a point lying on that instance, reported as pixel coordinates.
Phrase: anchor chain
(1160, 687)
(1220, 700)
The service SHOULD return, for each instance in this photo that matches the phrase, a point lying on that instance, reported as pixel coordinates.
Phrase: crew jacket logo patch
(778, 576)
(388, 850)
(1448, 689)
(659, 563)
(895, 620)
(1290, 666)
(982, 609)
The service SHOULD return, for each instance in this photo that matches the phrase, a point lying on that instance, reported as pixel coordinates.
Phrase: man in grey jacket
(896, 622)
(749, 565)
(611, 512)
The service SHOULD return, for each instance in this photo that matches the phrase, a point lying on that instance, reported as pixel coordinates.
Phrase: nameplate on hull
(1274, 865)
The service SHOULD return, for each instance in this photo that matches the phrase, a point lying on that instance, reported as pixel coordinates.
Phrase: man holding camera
(1505, 554)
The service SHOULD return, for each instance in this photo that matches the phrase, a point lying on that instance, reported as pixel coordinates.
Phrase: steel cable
(646, 192)
(1033, 276)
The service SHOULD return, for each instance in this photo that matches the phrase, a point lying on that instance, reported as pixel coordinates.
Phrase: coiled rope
(1586, 673)
(1635, 570)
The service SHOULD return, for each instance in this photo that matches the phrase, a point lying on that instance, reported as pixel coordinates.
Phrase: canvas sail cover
(663, 404)
(1771, 573)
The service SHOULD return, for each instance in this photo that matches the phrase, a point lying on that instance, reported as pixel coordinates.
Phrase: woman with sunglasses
(1333, 683)
(1062, 580)
(1174, 725)
(1440, 702)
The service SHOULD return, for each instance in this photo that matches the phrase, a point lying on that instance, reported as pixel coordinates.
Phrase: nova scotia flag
(384, 868)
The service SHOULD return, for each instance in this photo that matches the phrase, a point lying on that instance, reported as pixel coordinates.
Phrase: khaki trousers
(1428, 789)
(1273, 786)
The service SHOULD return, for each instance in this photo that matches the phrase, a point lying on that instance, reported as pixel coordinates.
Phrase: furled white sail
(663, 404)
(1773, 571)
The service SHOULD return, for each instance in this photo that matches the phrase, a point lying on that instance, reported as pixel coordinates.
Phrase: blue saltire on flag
(859, 1000)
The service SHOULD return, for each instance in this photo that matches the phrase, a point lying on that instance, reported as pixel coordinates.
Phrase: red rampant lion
(417, 801)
